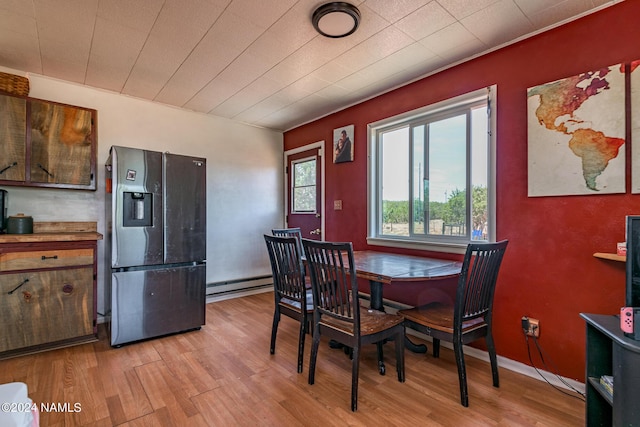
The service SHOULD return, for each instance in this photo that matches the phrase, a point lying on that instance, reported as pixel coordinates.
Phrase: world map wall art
(576, 131)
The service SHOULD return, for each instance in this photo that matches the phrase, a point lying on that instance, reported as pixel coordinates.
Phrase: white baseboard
(238, 293)
(511, 365)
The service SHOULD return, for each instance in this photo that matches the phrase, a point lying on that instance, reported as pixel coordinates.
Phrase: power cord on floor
(542, 354)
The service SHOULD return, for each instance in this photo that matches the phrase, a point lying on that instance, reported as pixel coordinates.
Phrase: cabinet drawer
(12, 261)
(45, 307)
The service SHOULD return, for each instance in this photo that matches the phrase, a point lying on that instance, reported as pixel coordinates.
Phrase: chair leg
(355, 367)
(274, 329)
(436, 347)
(400, 356)
(381, 367)
(314, 354)
(491, 349)
(301, 345)
(462, 373)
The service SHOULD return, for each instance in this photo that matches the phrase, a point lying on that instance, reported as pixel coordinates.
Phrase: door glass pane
(447, 176)
(395, 182)
(304, 185)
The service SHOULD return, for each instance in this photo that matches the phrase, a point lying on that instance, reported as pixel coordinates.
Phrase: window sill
(455, 248)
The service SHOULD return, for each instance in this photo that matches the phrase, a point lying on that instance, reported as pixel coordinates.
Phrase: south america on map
(576, 134)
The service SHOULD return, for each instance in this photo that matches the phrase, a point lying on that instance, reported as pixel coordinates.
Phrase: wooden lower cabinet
(45, 307)
(47, 293)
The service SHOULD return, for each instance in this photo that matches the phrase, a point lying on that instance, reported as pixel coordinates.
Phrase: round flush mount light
(336, 19)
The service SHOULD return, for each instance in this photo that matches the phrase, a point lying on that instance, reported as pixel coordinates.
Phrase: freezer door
(185, 215)
(151, 303)
(136, 209)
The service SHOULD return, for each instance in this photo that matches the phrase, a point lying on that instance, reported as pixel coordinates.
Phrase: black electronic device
(632, 294)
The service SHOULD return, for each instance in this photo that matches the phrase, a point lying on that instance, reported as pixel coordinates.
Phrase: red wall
(549, 271)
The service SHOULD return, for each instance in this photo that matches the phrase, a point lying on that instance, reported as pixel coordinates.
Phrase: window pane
(304, 173)
(431, 176)
(479, 175)
(304, 199)
(419, 184)
(395, 182)
(447, 176)
(304, 186)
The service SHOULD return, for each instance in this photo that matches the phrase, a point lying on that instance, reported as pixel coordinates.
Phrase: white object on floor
(16, 407)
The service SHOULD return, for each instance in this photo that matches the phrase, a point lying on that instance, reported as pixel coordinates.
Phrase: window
(430, 175)
(303, 183)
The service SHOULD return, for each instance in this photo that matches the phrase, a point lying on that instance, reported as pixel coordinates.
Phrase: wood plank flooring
(223, 375)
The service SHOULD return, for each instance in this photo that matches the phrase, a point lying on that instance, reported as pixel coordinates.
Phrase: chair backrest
(290, 232)
(477, 282)
(335, 292)
(287, 268)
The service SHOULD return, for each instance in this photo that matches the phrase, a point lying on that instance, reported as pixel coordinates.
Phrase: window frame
(293, 185)
(374, 202)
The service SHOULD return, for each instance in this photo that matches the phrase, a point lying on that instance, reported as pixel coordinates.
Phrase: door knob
(316, 231)
(317, 215)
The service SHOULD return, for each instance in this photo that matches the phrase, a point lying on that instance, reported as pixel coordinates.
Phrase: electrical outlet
(530, 326)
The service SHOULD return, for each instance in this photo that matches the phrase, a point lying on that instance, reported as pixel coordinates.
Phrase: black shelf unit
(609, 352)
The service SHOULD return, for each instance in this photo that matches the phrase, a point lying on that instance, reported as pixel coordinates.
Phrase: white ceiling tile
(453, 42)
(426, 20)
(498, 23)
(169, 44)
(294, 28)
(133, 14)
(261, 13)
(463, 8)
(334, 70)
(113, 54)
(18, 23)
(17, 6)
(240, 73)
(550, 12)
(60, 67)
(219, 47)
(383, 43)
(65, 21)
(395, 10)
(19, 52)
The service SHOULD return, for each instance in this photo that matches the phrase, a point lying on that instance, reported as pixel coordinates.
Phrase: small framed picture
(343, 144)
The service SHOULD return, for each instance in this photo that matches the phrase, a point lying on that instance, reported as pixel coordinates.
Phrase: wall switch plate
(337, 205)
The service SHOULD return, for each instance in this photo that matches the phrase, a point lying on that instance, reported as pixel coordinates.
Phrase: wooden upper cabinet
(13, 138)
(54, 144)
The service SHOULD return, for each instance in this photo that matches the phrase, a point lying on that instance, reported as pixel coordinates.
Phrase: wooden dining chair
(290, 232)
(292, 297)
(338, 314)
(470, 316)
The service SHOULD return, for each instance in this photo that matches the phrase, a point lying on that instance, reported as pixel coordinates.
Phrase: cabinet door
(61, 144)
(13, 116)
(45, 307)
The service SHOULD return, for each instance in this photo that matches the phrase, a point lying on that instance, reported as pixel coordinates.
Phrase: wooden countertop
(55, 232)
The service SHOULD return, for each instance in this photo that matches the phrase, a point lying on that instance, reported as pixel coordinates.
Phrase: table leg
(375, 303)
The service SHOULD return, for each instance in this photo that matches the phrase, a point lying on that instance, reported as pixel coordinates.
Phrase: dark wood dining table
(382, 268)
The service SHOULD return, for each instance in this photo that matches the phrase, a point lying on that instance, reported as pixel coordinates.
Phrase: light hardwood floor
(223, 375)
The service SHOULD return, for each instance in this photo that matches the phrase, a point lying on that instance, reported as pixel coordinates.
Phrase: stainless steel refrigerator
(155, 244)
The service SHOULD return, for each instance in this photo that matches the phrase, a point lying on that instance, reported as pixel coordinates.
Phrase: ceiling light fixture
(336, 19)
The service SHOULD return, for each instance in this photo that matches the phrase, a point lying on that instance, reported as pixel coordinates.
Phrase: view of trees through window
(303, 185)
(446, 218)
(428, 166)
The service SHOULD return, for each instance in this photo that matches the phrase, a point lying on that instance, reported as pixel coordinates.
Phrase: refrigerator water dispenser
(137, 209)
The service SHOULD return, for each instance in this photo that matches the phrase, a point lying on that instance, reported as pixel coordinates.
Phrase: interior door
(304, 191)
